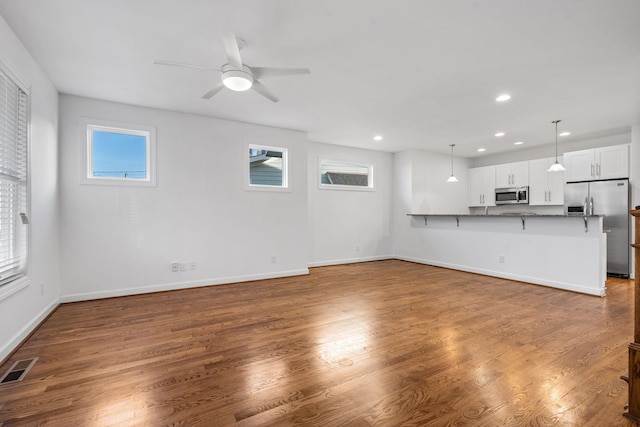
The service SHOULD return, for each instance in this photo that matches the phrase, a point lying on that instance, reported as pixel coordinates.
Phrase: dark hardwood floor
(386, 343)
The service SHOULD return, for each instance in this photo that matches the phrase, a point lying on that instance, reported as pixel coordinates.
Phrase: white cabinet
(598, 163)
(512, 175)
(482, 186)
(545, 188)
(579, 165)
(612, 162)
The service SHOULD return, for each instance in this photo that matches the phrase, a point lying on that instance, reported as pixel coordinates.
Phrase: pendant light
(452, 178)
(556, 167)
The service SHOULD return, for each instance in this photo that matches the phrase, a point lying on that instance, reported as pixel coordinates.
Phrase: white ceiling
(423, 73)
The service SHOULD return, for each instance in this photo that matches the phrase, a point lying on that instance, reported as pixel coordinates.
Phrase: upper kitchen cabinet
(598, 163)
(512, 175)
(545, 188)
(482, 186)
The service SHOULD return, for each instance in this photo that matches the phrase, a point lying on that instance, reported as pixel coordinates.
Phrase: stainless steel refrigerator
(611, 199)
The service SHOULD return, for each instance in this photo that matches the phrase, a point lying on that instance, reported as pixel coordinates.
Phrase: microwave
(512, 196)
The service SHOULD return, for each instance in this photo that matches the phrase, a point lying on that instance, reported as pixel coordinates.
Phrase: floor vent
(18, 371)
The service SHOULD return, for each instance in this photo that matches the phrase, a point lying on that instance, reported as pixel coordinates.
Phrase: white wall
(344, 225)
(430, 191)
(20, 312)
(420, 187)
(548, 251)
(551, 251)
(122, 240)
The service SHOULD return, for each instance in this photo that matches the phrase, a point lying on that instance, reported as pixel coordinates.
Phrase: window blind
(13, 179)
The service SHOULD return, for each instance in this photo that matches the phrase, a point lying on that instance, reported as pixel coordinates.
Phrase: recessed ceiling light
(503, 97)
(377, 138)
(518, 143)
(482, 149)
(564, 133)
(499, 134)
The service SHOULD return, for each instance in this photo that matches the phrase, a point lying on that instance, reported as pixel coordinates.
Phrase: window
(119, 154)
(345, 175)
(268, 167)
(13, 179)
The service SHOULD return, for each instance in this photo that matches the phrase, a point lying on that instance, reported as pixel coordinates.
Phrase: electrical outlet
(357, 248)
(175, 266)
(184, 266)
(42, 288)
(192, 265)
(501, 259)
(274, 259)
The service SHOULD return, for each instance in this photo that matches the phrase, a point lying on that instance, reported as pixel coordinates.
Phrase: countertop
(507, 215)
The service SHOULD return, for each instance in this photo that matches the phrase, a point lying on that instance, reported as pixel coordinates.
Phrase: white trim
(12, 287)
(345, 187)
(370, 175)
(180, 285)
(20, 279)
(351, 260)
(526, 279)
(286, 169)
(91, 124)
(23, 333)
(273, 188)
(246, 278)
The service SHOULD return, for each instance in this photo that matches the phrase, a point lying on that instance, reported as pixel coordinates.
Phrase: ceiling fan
(237, 75)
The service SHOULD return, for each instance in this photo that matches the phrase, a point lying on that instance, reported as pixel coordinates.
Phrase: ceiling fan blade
(232, 50)
(262, 90)
(181, 64)
(260, 72)
(217, 88)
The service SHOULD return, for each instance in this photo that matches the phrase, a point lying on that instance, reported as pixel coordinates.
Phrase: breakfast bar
(561, 251)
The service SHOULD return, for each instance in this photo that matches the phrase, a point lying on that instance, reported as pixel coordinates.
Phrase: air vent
(18, 371)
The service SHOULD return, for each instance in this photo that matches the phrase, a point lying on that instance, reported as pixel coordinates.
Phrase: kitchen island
(561, 251)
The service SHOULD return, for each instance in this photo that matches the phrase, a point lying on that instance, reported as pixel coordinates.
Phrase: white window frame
(286, 169)
(149, 132)
(370, 180)
(19, 279)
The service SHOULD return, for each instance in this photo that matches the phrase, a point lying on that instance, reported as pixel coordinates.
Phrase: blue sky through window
(119, 155)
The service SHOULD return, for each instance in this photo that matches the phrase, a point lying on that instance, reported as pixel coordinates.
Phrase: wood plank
(379, 343)
(633, 375)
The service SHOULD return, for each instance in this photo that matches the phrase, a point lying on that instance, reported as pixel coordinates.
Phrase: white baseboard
(527, 279)
(13, 343)
(350, 260)
(179, 285)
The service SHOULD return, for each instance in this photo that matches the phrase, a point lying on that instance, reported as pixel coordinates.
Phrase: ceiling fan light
(238, 81)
